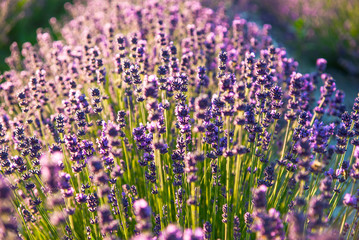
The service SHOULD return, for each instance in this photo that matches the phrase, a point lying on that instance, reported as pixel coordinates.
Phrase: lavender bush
(164, 121)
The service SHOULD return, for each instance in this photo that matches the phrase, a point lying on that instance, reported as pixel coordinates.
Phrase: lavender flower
(259, 198)
(50, 170)
(172, 232)
(269, 225)
(169, 102)
(143, 213)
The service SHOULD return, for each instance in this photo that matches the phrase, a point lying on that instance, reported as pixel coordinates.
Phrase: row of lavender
(163, 121)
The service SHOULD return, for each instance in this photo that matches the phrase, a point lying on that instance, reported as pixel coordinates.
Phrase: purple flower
(316, 212)
(350, 200)
(144, 236)
(259, 197)
(296, 226)
(107, 223)
(143, 214)
(81, 198)
(248, 219)
(172, 232)
(207, 230)
(5, 191)
(320, 136)
(321, 64)
(92, 202)
(50, 170)
(269, 225)
(189, 234)
(150, 88)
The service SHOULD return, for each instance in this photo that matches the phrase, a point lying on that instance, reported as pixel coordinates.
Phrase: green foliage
(21, 18)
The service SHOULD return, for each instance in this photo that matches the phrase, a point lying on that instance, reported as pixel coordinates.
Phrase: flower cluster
(165, 121)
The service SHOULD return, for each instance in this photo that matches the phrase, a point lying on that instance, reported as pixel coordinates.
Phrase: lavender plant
(164, 121)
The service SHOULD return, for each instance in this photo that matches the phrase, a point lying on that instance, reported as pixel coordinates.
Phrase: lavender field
(167, 120)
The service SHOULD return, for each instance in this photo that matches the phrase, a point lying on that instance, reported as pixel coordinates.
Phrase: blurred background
(309, 29)
(19, 20)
